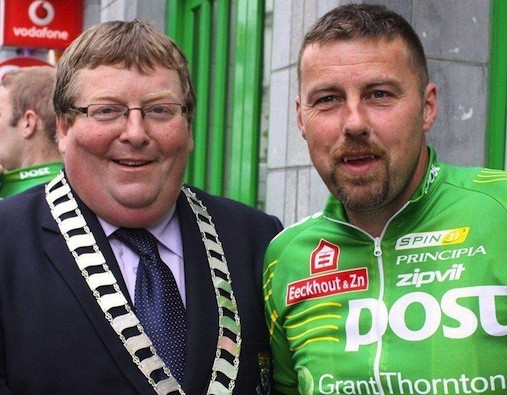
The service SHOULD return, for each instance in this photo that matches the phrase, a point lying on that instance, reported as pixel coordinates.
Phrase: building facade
(261, 158)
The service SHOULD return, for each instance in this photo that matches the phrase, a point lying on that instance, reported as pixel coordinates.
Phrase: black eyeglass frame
(84, 110)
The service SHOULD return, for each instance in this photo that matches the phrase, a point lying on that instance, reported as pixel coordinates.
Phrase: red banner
(51, 24)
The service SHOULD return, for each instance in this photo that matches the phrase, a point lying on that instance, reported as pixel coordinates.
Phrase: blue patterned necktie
(158, 303)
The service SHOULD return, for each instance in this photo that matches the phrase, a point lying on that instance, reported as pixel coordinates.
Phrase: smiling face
(128, 172)
(364, 116)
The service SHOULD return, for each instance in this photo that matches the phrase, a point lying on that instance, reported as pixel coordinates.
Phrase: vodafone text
(44, 32)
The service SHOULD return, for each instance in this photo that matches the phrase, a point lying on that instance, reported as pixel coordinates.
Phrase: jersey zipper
(377, 252)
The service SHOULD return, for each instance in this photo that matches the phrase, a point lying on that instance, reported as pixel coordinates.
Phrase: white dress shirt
(167, 232)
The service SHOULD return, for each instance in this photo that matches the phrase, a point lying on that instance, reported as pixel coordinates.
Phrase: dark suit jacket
(54, 338)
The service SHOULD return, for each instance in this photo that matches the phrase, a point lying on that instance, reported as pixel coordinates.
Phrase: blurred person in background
(28, 151)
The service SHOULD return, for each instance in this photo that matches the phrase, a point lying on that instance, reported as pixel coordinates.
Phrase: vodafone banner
(51, 24)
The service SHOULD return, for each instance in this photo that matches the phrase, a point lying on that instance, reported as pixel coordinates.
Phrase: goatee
(365, 192)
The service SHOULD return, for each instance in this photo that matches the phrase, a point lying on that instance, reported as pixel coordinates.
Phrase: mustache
(354, 145)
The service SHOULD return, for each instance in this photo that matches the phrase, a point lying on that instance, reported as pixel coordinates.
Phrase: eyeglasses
(107, 113)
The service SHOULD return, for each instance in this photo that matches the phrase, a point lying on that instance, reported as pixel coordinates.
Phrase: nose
(355, 119)
(135, 131)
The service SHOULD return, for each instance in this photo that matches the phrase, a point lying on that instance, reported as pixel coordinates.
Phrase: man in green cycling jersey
(28, 153)
(399, 285)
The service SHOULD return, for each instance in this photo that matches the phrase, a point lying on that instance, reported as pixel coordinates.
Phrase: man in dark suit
(115, 278)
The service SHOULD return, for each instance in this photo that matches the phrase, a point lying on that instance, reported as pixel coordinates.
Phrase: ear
(299, 117)
(430, 106)
(62, 131)
(27, 124)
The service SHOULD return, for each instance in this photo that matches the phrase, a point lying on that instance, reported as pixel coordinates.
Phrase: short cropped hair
(31, 88)
(127, 44)
(355, 21)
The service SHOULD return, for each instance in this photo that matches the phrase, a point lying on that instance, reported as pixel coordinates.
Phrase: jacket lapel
(59, 255)
(201, 306)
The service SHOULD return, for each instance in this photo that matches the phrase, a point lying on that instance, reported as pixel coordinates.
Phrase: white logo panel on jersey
(468, 320)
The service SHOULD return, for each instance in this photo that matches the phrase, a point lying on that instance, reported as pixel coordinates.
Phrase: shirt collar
(166, 231)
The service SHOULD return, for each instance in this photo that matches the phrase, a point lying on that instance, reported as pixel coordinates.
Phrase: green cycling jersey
(19, 180)
(422, 309)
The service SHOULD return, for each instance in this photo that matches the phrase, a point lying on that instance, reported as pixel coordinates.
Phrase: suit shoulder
(233, 210)
(22, 205)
